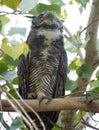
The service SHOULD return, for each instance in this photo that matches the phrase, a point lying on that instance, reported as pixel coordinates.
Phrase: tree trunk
(91, 59)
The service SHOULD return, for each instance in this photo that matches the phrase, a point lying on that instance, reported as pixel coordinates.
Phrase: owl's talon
(45, 97)
(49, 100)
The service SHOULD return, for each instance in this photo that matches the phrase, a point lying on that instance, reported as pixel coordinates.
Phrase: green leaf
(56, 128)
(0, 25)
(58, 123)
(7, 87)
(5, 125)
(71, 48)
(3, 21)
(3, 67)
(15, 51)
(1, 116)
(17, 124)
(27, 5)
(94, 93)
(87, 38)
(13, 93)
(97, 89)
(79, 116)
(10, 75)
(5, 40)
(34, 11)
(83, 3)
(13, 42)
(76, 63)
(15, 30)
(53, 7)
(15, 81)
(70, 84)
(80, 9)
(3, 122)
(58, 2)
(70, 45)
(11, 3)
(94, 83)
(9, 62)
(97, 74)
(71, 2)
(84, 71)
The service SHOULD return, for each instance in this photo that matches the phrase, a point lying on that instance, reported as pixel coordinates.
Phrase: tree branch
(91, 47)
(74, 103)
(15, 12)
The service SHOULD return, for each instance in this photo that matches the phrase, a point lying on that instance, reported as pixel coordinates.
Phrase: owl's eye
(40, 16)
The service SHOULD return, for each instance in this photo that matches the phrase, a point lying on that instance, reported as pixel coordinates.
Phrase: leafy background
(13, 34)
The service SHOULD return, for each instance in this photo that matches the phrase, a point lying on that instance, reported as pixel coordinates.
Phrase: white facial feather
(50, 34)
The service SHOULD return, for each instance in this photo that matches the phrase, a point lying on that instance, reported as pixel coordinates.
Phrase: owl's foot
(42, 96)
(45, 97)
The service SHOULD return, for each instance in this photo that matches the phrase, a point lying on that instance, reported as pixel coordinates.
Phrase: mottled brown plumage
(43, 72)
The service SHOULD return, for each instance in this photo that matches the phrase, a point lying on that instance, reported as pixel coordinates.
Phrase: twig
(19, 105)
(1, 53)
(32, 111)
(73, 40)
(92, 118)
(84, 93)
(95, 20)
(24, 102)
(27, 118)
(67, 31)
(17, 110)
(54, 124)
(15, 12)
(87, 124)
(1, 109)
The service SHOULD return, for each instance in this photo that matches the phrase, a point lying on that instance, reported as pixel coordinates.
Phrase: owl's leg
(41, 96)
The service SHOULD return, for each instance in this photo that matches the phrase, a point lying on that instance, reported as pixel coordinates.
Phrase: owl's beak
(30, 17)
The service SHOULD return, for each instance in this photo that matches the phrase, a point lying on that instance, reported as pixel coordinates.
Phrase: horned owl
(43, 72)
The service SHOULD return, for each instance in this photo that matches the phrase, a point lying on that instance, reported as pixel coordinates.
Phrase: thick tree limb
(75, 103)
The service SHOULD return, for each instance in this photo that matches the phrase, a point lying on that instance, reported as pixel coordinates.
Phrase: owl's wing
(61, 76)
(23, 65)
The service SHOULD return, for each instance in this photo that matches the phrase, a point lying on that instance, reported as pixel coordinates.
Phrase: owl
(42, 73)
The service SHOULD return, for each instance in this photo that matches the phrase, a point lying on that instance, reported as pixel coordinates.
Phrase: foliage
(12, 46)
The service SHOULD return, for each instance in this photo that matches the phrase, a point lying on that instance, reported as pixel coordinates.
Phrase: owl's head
(47, 20)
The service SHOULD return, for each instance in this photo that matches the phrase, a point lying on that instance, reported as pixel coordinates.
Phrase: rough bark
(91, 59)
